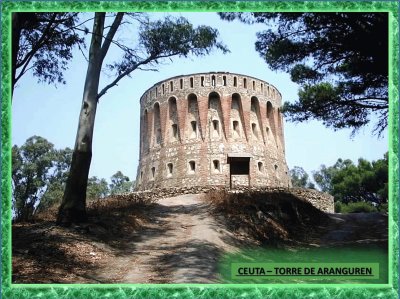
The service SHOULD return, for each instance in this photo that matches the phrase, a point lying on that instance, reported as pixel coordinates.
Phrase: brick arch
(157, 133)
(255, 102)
(237, 97)
(215, 116)
(193, 115)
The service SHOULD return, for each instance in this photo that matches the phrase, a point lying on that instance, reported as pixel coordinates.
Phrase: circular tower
(211, 129)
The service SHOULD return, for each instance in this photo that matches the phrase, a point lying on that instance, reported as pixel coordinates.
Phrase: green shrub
(383, 207)
(355, 207)
(338, 207)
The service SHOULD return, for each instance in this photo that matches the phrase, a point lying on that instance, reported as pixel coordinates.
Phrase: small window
(224, 80)
(235, 124)
(254, 85)
(254, 129)
(276, 167)
(158, 136)
(171, 86)
(216, 166)
(215, 124)
(244, 83)
(260, 167)
(141, 176)
(234, 81)
(192, 166)
(193, 125)
(267, 130)
(191, 82)
(174, 131)
(202, 80)
(156, 91)
(170, 168)
(153, 172)
(163, 89)
(262, 87)
(181, 83)
(213, 81)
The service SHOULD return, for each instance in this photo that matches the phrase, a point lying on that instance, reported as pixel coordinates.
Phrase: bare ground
(175, 240)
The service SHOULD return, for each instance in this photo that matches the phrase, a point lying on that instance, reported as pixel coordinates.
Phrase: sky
(53, 112)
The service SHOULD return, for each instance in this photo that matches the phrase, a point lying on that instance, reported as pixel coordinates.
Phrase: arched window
(192, 117)
(215, 115)
(213, 83)
(173, 119)
(153, 173)
(260, 167)
(157, 124)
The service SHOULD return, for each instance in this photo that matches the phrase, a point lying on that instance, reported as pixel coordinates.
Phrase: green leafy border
(389, 290)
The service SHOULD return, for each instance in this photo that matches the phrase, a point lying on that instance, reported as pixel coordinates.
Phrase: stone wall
(320, 200)
(190, 124)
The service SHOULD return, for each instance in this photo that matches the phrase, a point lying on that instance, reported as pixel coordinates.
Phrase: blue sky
(52, 113)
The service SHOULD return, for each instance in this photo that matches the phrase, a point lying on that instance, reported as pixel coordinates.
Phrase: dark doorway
(238, 165)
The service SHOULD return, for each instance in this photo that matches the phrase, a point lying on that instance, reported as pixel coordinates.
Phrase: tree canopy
(43, 43)
(300, 178)
(340, 61)
(39, 175)
(347, 182)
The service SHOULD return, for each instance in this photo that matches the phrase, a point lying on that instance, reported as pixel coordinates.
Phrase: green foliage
(165, 38)
(120, 183)
(96, 188)
(31, 164)
(300, 178)
(44, 44)
(354, 207)
(347, 182)
(343, 81)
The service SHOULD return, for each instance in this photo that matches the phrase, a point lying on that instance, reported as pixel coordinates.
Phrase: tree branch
(110, 35)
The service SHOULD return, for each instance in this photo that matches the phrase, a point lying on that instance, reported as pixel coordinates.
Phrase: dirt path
(175, 240)
(182, 244)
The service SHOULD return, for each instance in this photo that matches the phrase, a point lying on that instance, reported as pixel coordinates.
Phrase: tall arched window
(192, 130)
(157, 124)
(173, 120)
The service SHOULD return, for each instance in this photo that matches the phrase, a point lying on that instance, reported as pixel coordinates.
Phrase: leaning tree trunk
(73, 206)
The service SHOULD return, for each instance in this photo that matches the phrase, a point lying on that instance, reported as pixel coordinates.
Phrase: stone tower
(211, 129)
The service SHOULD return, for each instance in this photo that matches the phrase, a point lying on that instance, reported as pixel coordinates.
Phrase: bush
(354, 207)
(338, 207)
(383, 207)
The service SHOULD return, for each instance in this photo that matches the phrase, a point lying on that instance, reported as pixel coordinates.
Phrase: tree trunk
(73, 206)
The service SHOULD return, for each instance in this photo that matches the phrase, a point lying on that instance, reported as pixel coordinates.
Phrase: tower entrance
(239, 169)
